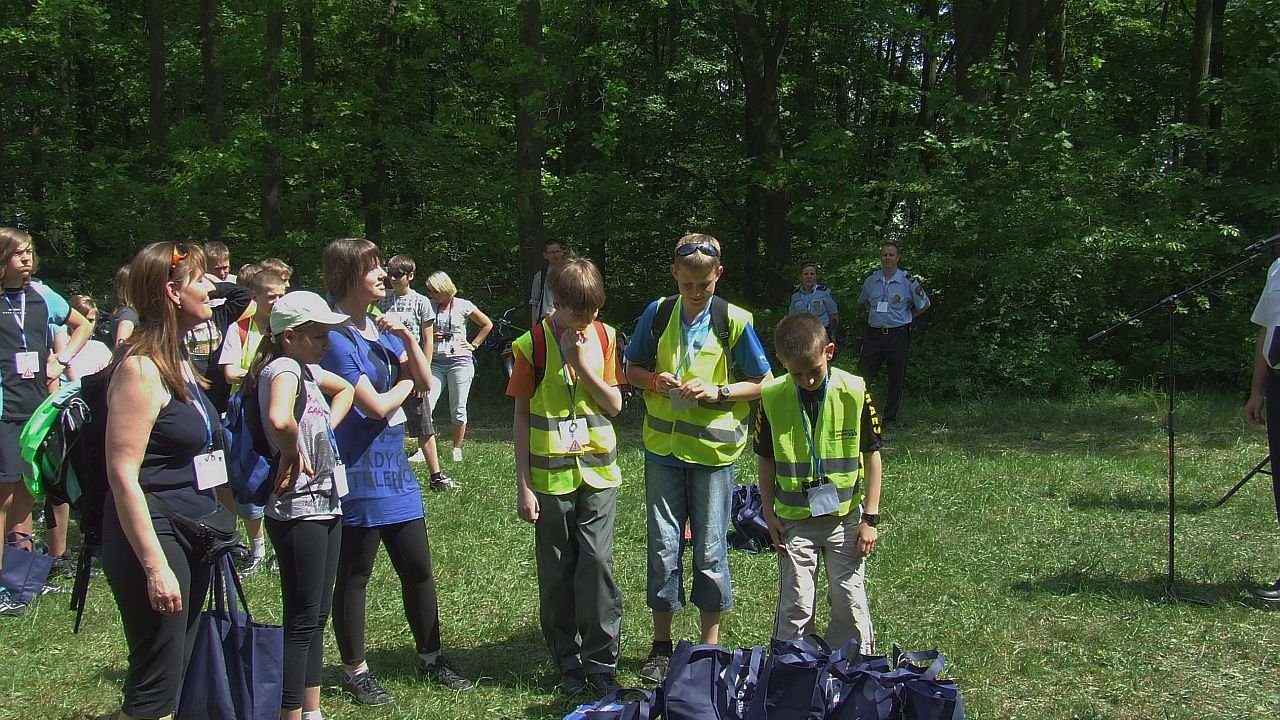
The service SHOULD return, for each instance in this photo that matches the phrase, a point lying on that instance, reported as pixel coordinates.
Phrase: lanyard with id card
(26, 362)
(824, 498)
(691, 343)
(210, 466)
(572, 430)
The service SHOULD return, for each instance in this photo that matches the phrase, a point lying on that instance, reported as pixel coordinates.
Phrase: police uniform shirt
(900, 295)
(1267, 314)
(817, 301)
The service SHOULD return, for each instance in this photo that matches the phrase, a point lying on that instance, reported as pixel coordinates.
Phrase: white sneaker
(457, 454)
(418, 457)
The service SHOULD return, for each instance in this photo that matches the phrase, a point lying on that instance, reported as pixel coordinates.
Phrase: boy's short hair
(401, 265)
(440, 282)
(279, 266)
(263, 279)
(244, 276)
(345, 262)
(217, 251)
(698, 260)
(800, 336)
(577, 285)
(549, 242)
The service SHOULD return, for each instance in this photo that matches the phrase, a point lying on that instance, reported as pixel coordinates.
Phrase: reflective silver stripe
(697, 432)
(841, 466)
(548, 424)
(791, 498)
(570, 462)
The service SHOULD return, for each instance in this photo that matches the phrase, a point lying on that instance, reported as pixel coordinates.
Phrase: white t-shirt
(92, 357)
(1267, 313)
(451, 328)
(540, 296)
(312, 496)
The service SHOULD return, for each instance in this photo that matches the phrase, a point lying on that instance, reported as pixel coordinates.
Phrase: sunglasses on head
(180, 253)
(705, 248)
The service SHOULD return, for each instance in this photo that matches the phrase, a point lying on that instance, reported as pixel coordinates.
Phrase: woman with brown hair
(161, 463)
(383, 361)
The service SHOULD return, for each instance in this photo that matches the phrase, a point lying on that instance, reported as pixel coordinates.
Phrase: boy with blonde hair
(701, 364)
(565, 384)
(818, 441)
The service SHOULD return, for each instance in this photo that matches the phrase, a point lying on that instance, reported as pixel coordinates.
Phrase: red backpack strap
(604, 337)
(539, 335)
(243, 325)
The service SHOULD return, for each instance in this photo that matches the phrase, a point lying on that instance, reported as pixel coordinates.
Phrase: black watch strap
(871, 519)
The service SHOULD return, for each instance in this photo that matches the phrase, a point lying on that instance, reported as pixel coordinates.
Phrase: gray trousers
(580, 605)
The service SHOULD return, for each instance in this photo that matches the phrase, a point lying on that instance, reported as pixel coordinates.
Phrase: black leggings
(308, 554)
(410, 555)
(159, 645)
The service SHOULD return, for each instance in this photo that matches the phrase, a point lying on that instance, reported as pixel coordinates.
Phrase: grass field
(1023, 538)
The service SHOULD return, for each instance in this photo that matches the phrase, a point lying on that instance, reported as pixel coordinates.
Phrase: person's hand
(527, 505)
(290, 469)
(393, 326)
(470, 346)
(867, 537)
(572, 347)
(163, 590)
(777, 532)
(695, 390)
(665, 382)
(1253, 409)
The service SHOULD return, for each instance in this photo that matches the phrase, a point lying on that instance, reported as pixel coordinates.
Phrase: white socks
(258, 547)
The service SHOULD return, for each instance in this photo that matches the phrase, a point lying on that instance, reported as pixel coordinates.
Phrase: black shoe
(1271, 593)
(367, 690)
(252, 566)
(443, 673)
(240, 553)
(62, 567)
(654, 669)
(604, 682)
(441, 482)
(573, 683)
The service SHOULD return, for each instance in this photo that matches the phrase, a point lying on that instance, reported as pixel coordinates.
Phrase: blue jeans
(701, 496)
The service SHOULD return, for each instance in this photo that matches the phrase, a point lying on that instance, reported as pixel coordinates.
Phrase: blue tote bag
(710, 682)
(25, 571)
(792, 685)
(237, 665)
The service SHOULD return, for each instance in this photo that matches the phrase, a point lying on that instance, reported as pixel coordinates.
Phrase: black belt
(889, 331)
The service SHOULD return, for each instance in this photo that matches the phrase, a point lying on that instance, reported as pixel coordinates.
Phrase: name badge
(28, 364)
(678, 402)
(397, 418)
(573, 435)
(882, 306)
(211, 470)
(823, 500)
(340, 480)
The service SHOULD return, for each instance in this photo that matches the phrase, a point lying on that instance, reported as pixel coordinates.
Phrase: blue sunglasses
(705, 248)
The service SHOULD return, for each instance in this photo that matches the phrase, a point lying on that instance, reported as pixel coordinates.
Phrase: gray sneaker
(443, 673)
(367, 690)
(441, 482)
(654, 669)
(10, 605)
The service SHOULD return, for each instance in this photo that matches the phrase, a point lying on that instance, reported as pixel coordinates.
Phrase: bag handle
(221, 596)
(935, 659)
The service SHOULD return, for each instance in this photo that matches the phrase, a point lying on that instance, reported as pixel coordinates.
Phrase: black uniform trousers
(886, 345)
(1272, 409)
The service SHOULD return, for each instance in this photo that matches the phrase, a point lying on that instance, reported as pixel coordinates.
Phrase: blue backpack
(251, 464)
(750, 533)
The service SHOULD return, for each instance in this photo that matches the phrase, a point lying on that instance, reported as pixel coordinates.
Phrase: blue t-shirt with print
(749, 357)
(383, 488)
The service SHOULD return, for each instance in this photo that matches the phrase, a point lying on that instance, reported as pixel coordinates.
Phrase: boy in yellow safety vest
(238, 351)
(701, 364)
(565, 384)
(818, 441)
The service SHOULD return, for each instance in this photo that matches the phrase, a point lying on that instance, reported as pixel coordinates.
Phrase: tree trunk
(374, 192)
(156, 129)
(977, 22)
(307, 55)
(1201, 44)
(1215, 72)
(213, 106)
(272, 176)
(529, 104)
(584, 106)
(927, 118)
(1055, 40)
(760, 46)
(1026, 20)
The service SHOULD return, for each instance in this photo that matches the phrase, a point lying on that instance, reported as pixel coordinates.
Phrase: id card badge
(678, 402)
(28, 364)
(882, 306)
(573, 435)
(340, 480)
(823, 500)
(211, 470)
(397, 418)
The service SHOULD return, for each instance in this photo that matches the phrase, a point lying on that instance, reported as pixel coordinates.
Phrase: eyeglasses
(705, 248)
(180, 253)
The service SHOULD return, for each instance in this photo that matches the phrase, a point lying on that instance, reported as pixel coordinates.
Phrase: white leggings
(458, 377)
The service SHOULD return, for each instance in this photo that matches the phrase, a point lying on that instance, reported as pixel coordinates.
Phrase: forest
(1047, 166)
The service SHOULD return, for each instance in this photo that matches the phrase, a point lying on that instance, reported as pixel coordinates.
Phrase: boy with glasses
(701, 364)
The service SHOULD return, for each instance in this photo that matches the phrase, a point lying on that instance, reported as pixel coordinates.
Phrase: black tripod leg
(1275, 485)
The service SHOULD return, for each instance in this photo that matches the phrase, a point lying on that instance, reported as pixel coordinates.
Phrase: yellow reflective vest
(248, 346)
(710, 433)
(554, 467)
(837, 442)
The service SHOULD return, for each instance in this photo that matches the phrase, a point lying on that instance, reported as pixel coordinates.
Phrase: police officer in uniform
(815, 299)
(893, 300)
(1264, 392)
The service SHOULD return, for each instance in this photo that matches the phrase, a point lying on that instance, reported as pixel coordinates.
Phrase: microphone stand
(1253, 252)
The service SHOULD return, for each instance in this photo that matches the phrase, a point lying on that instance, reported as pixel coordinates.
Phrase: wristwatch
(871, 519)
(722, 393)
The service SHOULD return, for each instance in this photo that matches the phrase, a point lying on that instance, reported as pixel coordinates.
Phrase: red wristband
(653, 382)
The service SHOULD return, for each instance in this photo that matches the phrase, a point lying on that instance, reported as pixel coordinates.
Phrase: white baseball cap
(300, 307)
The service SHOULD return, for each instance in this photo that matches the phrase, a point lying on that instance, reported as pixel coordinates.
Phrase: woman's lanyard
(691, 342)
(809, 435)
(21, 315)
(447, 313)
(197, 399)
(375, 377)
